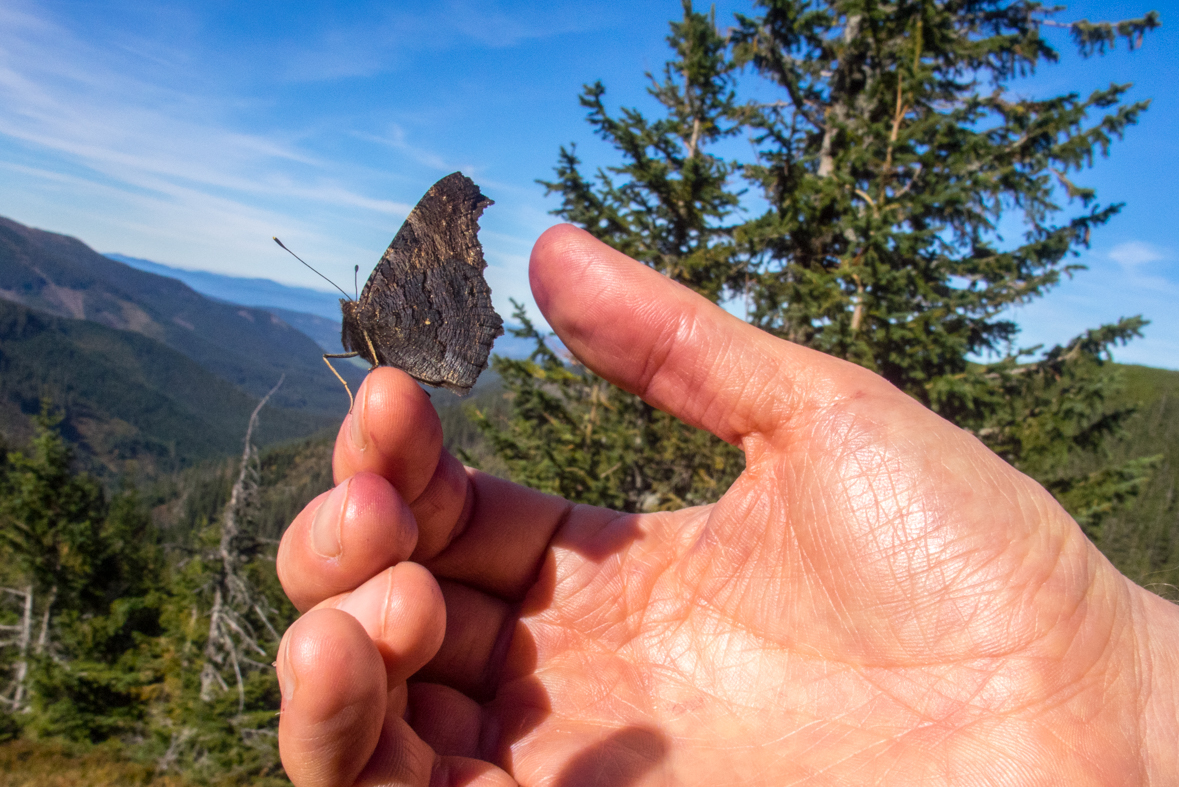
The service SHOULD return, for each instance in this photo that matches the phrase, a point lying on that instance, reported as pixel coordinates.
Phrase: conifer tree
(897, 147)
(87, 572)
(50, 527)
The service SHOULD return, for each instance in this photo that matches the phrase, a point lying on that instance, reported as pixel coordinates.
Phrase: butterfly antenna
(317, 273)
(356, 280)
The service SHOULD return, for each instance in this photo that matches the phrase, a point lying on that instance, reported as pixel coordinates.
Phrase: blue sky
(190, 132)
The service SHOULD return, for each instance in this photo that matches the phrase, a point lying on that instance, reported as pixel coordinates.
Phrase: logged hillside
(247, 347)
(126, 398)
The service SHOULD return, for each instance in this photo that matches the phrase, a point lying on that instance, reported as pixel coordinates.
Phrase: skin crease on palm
(878, 599)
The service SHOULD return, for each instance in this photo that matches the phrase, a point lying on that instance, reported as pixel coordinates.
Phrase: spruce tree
(50, 527)
(85, 572)
(898, 145)
(51, 521)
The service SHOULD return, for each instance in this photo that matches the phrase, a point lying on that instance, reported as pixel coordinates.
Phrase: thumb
(676, 349)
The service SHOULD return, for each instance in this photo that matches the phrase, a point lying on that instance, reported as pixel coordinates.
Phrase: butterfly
(426, 309)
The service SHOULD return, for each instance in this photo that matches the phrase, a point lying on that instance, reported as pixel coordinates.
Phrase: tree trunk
(22, 665)
(43, 637)
(210, 675)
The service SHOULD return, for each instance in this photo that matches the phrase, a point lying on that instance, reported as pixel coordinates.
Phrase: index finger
(473, 528)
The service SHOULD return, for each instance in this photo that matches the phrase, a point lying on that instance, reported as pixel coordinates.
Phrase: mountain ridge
(246, 346)
(246, 291)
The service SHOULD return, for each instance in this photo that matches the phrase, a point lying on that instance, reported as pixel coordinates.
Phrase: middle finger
(344, 537)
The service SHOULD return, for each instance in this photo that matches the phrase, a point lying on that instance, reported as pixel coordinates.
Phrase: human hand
(878, 599)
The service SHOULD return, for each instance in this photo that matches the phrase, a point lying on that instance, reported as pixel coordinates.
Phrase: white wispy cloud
(1133, 254)
(1144, 268)
(141, 133)
(152, 136)
(1127, 280)
(397, 139)
(495, 25)
(183, 173)
(196, 227)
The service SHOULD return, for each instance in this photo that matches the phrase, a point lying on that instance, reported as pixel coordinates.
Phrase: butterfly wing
(426, 308)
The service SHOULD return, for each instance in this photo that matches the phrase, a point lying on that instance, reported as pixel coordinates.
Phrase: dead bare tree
(240, 618)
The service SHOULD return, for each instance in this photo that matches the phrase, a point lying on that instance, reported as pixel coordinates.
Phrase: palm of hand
(842, 632)
(878, 599)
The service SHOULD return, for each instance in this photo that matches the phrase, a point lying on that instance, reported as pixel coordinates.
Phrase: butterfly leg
(337, 374)
(372, 351)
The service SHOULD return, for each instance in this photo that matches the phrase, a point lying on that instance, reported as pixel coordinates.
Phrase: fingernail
(357, 434)
(286, 672)
(325, 527)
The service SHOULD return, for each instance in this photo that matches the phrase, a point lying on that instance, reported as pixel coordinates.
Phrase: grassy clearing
(26, 763)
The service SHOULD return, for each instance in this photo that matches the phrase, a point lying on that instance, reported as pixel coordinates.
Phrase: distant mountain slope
(248, 347)
(248, 292)
(125, 396)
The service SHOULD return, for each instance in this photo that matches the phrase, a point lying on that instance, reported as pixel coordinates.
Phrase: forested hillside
(130, 404)
(148, 619)
(247, 347)
(1142, 538)
(147, 374)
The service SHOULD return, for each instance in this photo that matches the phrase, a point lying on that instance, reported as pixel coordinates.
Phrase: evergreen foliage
(168, 659)
(52, 519)
(896, 151)
(85, 570)
(670, 208)
(225, 614)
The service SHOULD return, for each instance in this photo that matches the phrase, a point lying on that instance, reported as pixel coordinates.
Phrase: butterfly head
(352, 334)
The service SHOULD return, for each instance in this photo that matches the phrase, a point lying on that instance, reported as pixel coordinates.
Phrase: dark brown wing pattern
(426, 308)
